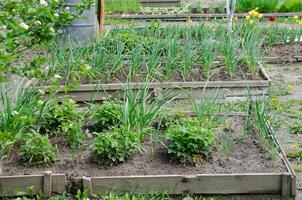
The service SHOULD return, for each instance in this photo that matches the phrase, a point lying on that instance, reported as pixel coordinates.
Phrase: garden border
(184, 90)
(246, 183)
(182, 17)
(47, 183)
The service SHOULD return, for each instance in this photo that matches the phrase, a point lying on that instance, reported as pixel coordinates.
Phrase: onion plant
(252, 49)
(116, 58)
(153, 60)
(207, 52)
(22, 111)
(140, 108)
(258, 116)
(137, 56)
(230, 51)
(171, 55)
(188, 56)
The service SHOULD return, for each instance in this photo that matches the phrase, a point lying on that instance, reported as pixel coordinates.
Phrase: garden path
(287, 87)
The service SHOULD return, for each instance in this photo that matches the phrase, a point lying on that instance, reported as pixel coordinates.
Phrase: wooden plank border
(247, 183)
(46, 183)
(182, 17)
(184, 90)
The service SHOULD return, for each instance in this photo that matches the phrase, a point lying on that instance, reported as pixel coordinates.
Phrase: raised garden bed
(244, 171)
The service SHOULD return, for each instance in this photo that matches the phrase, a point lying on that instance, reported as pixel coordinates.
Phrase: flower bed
(139, 140)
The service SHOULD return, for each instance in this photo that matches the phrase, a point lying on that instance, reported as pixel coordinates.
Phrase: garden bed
(242, 171)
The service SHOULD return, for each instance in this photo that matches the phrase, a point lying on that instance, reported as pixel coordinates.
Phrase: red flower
(272, 18)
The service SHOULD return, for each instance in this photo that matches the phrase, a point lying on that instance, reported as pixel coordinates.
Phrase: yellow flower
(290, 86)
(296, 17)
(260, 15)
(294, 146)
(300, 22)
(190, 22)
(248, 17)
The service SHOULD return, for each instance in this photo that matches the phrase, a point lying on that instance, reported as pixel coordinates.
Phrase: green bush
(61, 113)
(291, 6)
(189, 140)
(115, 146)
(37, 149)
(262, 5)
(104, 116)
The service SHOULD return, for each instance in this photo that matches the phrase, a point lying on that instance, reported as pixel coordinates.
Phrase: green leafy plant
(171, 55)
(37, 149)
(115, 145)
(230, 51)
(189, 141)
(252, 48)
(296, 128)
(291, 6)
(23, 110)
(139, 109)
(60, 114)
(104, 116)
(207, 52)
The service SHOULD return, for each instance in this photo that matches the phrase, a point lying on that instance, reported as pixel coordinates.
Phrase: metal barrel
(83, 29)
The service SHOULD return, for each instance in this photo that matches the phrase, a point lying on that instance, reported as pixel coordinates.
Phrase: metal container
(83, 29)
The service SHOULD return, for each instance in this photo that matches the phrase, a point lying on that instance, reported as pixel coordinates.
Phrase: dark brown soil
(196, 75)
(244, 157)
(285, 50)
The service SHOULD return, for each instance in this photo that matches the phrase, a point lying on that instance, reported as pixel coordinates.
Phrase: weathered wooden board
(269, 183)
(32, 184)
(182, 90)
(193, 16)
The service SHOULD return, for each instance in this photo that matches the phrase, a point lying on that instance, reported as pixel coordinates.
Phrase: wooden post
(47, 183)
(101, 15)
(87, 185)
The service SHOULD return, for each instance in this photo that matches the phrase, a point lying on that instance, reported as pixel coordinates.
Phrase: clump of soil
(244, 158)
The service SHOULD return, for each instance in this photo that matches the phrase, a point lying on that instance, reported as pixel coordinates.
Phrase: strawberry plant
(37, 149)
(104, 116)
(59, 114)
(115, 146)
(189, 140)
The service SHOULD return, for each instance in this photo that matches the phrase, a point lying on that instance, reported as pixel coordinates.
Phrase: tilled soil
(286, 50)
(244, 157)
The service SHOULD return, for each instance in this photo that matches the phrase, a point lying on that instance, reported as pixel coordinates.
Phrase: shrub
(291, 6)
(104, 116)
(189, 141)
(37, 149)
(115, 146)
(59, 114)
